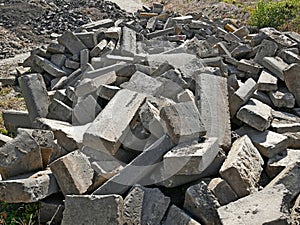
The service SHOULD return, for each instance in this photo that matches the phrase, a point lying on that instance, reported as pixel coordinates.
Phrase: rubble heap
(164, 119)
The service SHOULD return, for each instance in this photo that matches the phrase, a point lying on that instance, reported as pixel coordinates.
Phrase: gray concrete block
(59, 111)
(28, 188)
(58, 59)
(4, 139)
(112, 124)
(128, 41)
(279, 38)
(291, 74)
(191, 159)
(212, 102)
(107, 92)
(266, 49)
(276, 65)
(206, 213)
(177, 216)
(19, 156)
(241, 96)
(71, 64)
(56, 48)
(289, 56)
(105, 23)
(49, 67)
(267, 82)
(285, 122)
(294, 139)
(14, 119)
(256, 114)
(99, 48)
(36, 97)
(183, 122)
(73, 173)
(89, 39)
(94, 73)
(145, 206)
(242, 155)
(88, 209)
(267, 142)
(51, 210)
(71, 42)
(84, 58)
(268, 206)
(282, 98)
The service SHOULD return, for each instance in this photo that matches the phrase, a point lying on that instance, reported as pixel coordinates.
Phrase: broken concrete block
(291, 75)
(242, 155)
(212, 102)
(222, 190)
(105, 23)
(267, 82)
(85, 111)
(49, 67)
(88, 209)
(142, 83)
(282, 98)
(276, 65)
(250, 67)
(58, 59)
(268, 206)
(159, 33)
(177, 216)
(56, 48)
(241, 96)
(35, 93)
(183, 122)
(289, 56)
(256, 114)
(266, 49)
(145, 206)
(84, 58)
(89, 39)
(59, 111)
(14, 119)
(99, 48)
(21, 155)
(51, 210)
(279, 162)
(128, 41)
(294, 139)
(4, 139)
(191, 159)
(107, 92)
(186, 96)
(295, 216)
(263, 97)
(290, 178)
(285, 122)
(71, 42)
(138, 169)
(73, 173)
(28, 188)
(112, 124)
(94, 73)
(279, 38)
(69, 63)
(267, 142)
(195, 197)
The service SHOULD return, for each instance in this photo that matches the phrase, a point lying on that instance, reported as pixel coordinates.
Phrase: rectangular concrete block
(276, 65)
(49, 67)
(212, 102)
(191, 159)
(177, 216)
(282, 98)
(291, 75)
(267, 82)
(35, 94)
(89, 209)
(285, 122)
(28, 188)
(89, 39)
(242, 155)
(71, 42)
(183, 122)
(59, 111)
(112, 124)
(105, 23)
(73, 173)
(15, 119)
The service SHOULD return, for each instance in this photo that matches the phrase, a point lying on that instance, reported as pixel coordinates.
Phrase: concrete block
(143, 83)
(183, 122)
(85, 111)
(58, 59)
(242, 155)
(73, 173)
(28, 188)
(113, 33)
(295, 211)
(19, 156)
(291, 74)
(112, 124)
(105, 23)
(212, 102)
(241, 51)
(168, 88)
(88, 209)
(89, 39)
(59, 111)
(94, 73)
(279, 38)
(290, 178)
(206, 213)
(107, 92)
(177, 216)
(268, 206)
(145, 206)
(266, 49)
(263, 97)
(256, 114)
(99, 48)
(267, 142)
(71, 42)
(4, 139)
(138, 169)
(84, 58)
(222, 190)
(191, 159)
(159, 33)
(242, 32)
(36, 97)
(55, 48)
(186, 96)
(289, 56)
(241, 96)
(279, 162)
(51, 210)
(294, 139)
(128, 41)
(267, 82)
(109, 59)
(250, 67)
(49, 67)
(14, 119)
(285, 122)
(276, 65)
(162, 68)
(282, 98)
(71, 64)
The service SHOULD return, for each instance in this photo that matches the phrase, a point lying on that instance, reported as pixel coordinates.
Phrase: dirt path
(129, 5)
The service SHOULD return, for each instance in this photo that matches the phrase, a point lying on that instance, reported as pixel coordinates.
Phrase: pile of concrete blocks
(165, 119)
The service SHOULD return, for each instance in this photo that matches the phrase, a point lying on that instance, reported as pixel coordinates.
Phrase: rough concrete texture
(177, 216)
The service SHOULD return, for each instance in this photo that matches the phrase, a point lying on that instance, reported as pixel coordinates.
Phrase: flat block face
(71, 42)
(253, 210)
(267, 82)
(177, 216)
(93, 210)
(183, 122)
(112, 124)
(243, 167)
(291, 74)
(73, 173)
(256, 114)
(191, 159)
